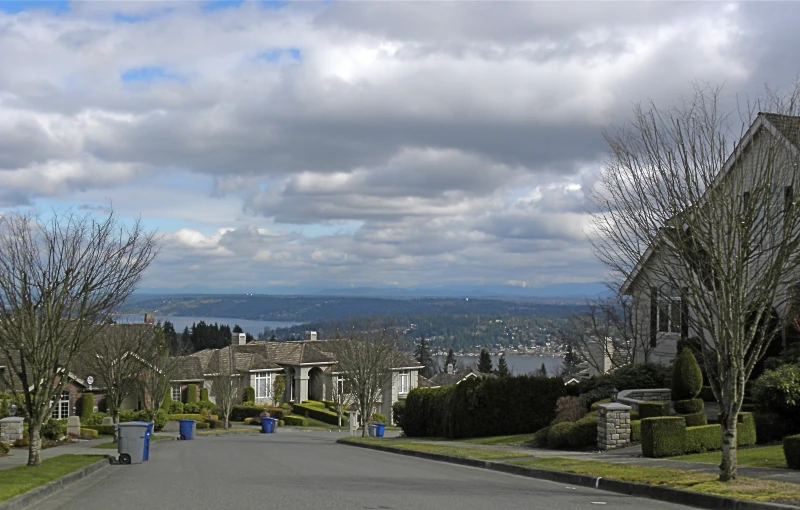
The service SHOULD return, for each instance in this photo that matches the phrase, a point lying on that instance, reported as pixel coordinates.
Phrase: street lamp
(12, 409)
(614, 393)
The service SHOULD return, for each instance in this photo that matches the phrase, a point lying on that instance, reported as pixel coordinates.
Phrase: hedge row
(106, 430)
(318, 413)
(240, 412)
(653, 409)
(691, 406)
(89, 433)
(483, 407)
(667, 436)
(703, 439)
(299, 421)
(791, 450)
(176, 417)
(314, 403)
(695, 419)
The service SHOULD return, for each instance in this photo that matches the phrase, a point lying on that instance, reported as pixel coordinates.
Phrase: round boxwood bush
(687, 378)
(690, 406)
(558, 435)
(791, 450)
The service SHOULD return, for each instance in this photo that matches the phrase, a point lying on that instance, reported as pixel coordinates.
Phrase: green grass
(516, 440)
(457, 451)
(21, 479)
(760, 456)
(743, 488)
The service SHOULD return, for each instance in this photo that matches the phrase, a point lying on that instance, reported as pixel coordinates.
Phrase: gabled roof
(423, 382)
(445, 379)
(785, 126)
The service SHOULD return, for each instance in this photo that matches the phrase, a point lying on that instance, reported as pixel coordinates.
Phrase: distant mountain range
(559, 290)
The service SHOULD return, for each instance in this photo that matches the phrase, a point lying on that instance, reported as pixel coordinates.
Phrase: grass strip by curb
(707, 499)
(515, 440)
(22, 485)
(465, 452)
(759, 456)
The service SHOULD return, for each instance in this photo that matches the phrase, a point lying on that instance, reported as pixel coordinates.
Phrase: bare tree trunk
(727, 468)
(35, 444)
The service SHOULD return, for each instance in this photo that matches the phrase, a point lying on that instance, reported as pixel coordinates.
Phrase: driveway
(308, 470)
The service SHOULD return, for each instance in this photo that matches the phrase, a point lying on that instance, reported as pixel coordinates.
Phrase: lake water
(518, 364)
(247, 325)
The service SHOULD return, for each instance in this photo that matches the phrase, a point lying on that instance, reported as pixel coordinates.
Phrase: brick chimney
(149, 319)
(450, 368)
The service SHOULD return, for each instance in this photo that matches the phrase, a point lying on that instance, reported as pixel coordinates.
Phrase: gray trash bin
(131, 442)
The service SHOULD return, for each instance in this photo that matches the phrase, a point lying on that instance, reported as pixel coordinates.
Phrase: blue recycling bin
(186, 428)
(147, 435)
(267, 425)
(379, 428)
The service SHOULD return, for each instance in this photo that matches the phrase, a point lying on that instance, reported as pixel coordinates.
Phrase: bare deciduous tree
(156, 381)
(366, 360)
(607, 329)
(120, 359)
(61, 279)
(226, 385)
(716, 223)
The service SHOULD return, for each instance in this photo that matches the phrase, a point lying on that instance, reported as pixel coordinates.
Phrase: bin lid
(183, 420)
(134, 424)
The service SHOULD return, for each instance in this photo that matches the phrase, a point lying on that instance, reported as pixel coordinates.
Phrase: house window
(263, 385)
(405, 381)
(669, 315)
(176, 392)
(340, 385)
(61, 407)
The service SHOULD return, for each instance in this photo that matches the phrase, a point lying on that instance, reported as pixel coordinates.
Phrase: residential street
(308, 470)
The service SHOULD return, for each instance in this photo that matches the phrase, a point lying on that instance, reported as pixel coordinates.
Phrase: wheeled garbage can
(148, 435)
(379, 427)
(131, 442)
(187, 428)
(267, 425)
(372, 430)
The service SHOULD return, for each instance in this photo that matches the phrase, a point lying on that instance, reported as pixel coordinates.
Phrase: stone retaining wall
(634, 397)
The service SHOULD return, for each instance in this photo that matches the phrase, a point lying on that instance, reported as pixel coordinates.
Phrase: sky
(354, 144)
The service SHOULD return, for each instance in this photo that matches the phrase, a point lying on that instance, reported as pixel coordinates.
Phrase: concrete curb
(643, 490)
(42, 492)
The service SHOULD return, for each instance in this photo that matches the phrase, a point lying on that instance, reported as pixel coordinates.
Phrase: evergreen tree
(571, 361)
(502, 367)
(237, 329)
(423, 355)
(273, 338)
(541, 372)
(451, 359)
(186, 339)
(485, 362)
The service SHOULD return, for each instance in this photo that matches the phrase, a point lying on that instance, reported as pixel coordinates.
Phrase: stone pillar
(613, 426)
(11, 429)
(302, 384)
(74, 426)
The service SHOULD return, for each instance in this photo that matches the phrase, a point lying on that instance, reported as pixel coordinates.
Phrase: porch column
(302, 384)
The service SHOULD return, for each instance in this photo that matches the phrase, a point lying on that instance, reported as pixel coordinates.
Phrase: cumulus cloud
(355, 142)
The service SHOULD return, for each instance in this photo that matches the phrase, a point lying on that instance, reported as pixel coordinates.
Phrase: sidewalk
(632, 456)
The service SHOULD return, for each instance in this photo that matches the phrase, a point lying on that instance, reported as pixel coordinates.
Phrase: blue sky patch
(217, 5)
(17, 6)
(140, 17)
(279, 54)
(149, 75)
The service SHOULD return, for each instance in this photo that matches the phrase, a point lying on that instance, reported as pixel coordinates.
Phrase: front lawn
(21, 479)
(744, 488)
(759, 456)
(516, 440)
(443, 449)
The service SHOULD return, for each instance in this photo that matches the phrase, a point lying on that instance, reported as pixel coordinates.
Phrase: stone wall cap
(614, 406)
(12, 419)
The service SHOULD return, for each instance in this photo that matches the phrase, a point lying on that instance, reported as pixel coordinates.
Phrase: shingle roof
(787, 125)
(424, 382)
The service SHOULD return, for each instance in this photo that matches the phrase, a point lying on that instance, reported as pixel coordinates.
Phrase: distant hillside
(333, 308)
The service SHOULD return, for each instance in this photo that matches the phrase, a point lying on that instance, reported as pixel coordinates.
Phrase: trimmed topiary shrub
(707, 394)
(203, 394)
(540, 437)
(636, 431)
(249, 394)
(240, 412)
(86, 406)
(558, 435)
(89, 433)
(791, 450)
(53, 429)
(695, 419)
(687, 378)
(314, 403)
(202, 425)
(593, 407)
(745, 430)
(106, 430)
(653, 409)
(778, 391)
(703, 439)
(663, 436)
(191, 394)
(690, 406)
(176, 407)
(320, 413)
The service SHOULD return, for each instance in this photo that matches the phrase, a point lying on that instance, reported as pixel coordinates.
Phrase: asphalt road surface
(307, 470)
